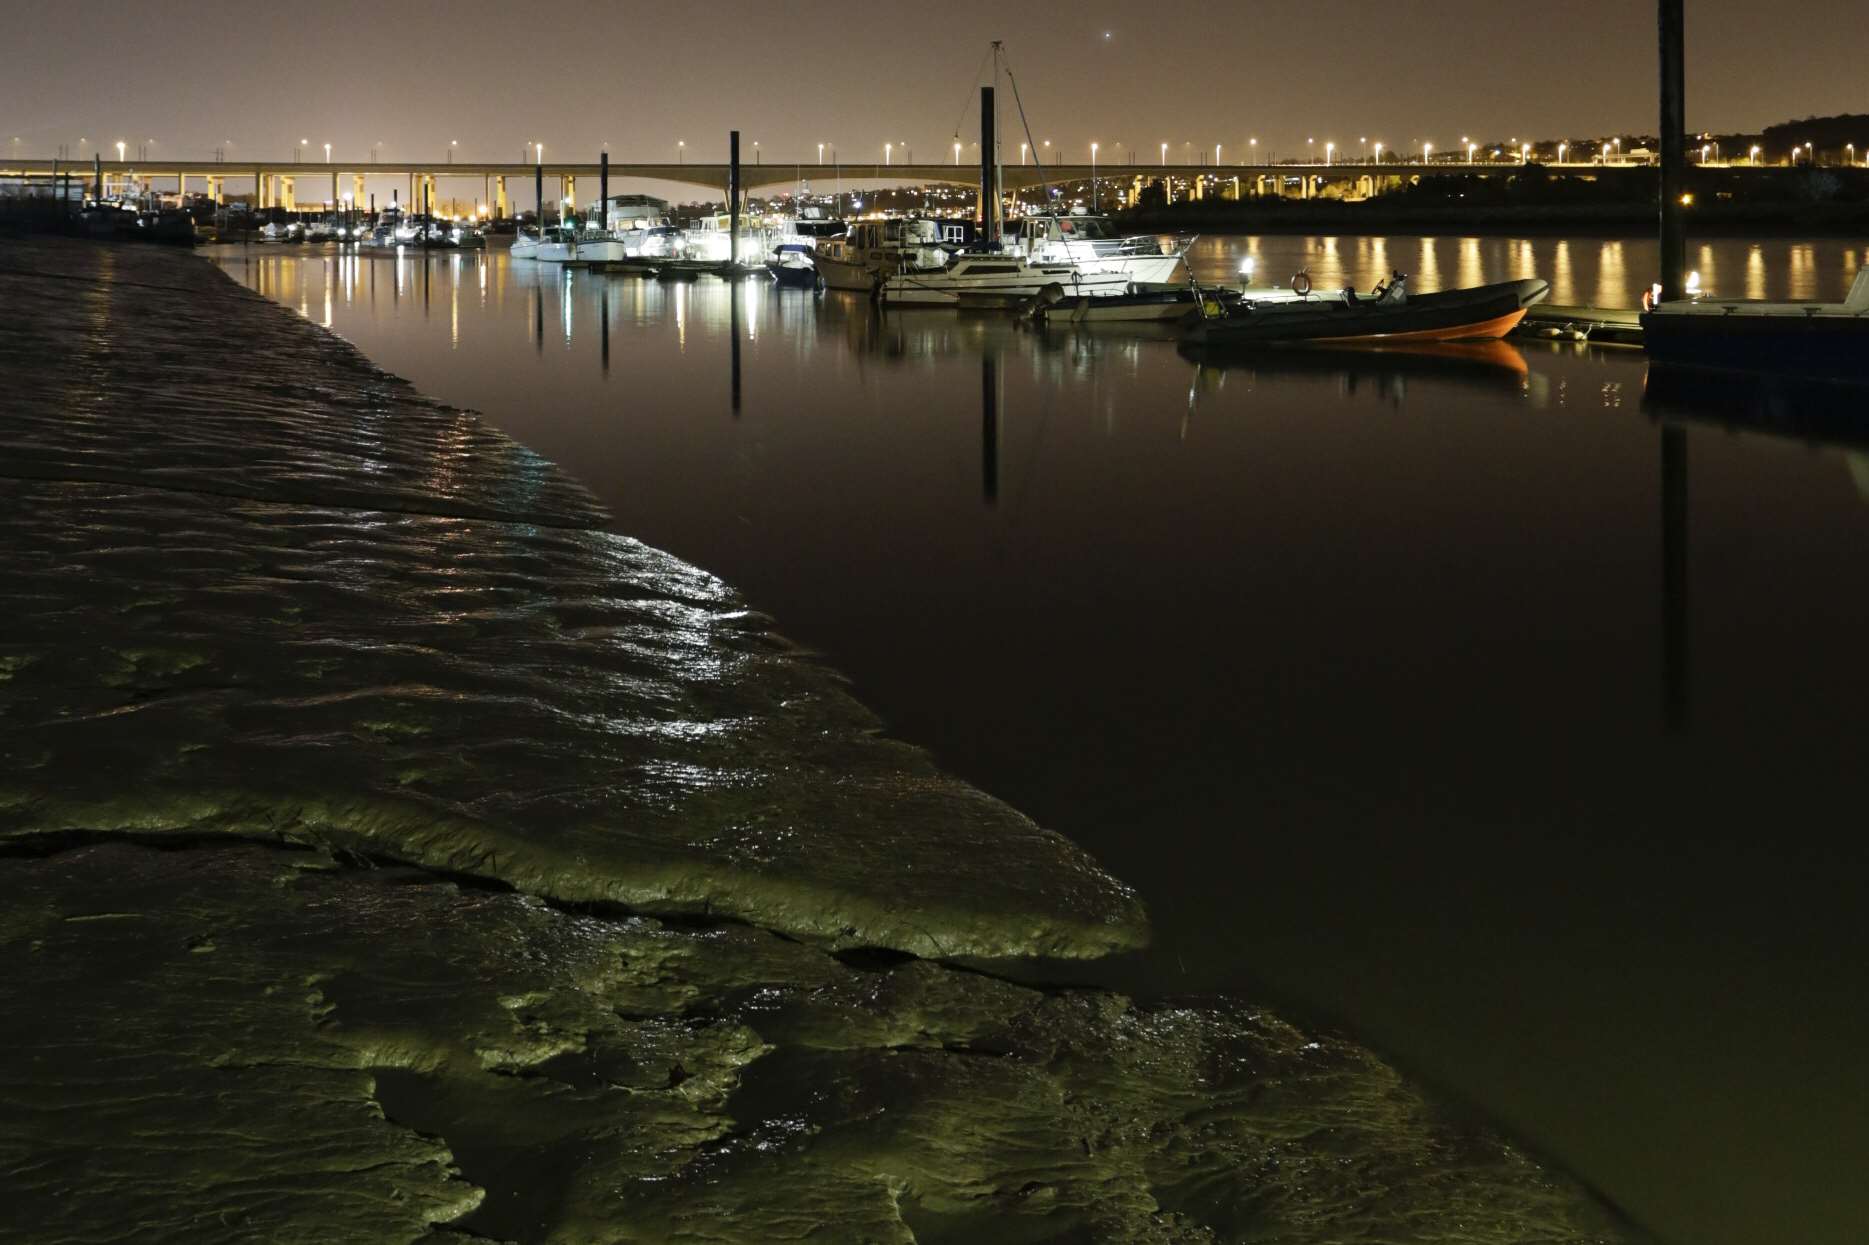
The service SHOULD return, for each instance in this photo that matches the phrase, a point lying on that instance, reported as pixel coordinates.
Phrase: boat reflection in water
(1494, 365)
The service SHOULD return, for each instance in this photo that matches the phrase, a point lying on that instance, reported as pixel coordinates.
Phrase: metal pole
(733, 208)
(989, 202)
(1673, 150)
(97, 173)
(538, 191)
(603, 191)
(1674, 576)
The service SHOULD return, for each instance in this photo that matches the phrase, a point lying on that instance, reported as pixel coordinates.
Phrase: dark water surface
(1477, 700)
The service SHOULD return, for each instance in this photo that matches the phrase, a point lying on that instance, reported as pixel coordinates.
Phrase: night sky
(641, 76)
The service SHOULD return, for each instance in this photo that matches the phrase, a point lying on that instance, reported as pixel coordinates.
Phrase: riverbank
(393, 850)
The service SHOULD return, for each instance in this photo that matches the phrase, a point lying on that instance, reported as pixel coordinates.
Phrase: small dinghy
(1387, 314)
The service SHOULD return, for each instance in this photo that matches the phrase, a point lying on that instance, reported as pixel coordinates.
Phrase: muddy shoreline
(393, 852)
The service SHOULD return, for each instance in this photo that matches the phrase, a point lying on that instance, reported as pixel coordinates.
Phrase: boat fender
(1301, 284)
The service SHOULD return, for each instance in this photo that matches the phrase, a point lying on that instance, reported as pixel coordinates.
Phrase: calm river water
(1494, 703)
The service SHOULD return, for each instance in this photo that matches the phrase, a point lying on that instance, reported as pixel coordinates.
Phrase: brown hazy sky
(641, 76)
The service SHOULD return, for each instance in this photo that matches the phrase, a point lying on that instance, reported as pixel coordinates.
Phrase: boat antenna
(1044, 183)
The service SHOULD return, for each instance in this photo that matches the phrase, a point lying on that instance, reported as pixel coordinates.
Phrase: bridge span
(510, 186)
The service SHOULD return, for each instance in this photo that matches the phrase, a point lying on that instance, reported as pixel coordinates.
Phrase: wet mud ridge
(390, 852)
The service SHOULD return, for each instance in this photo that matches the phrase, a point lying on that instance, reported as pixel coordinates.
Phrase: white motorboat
(659, 240)
(525, 244)
(986, 276)
(710, 241)
(281, 231)
(873, 249)
(558, 244)
(1094, 244)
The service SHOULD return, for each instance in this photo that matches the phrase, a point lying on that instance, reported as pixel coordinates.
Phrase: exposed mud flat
(396, 853)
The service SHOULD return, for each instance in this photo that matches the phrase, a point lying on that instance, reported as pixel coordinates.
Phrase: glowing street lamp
(1525, 153)
(327, 153)
(1754, 154)
(1329, 148)
(120, 146)
(1470, 149)
(681, 151)
(1562, 148)
(820, 153)
(1216, 155)
(1427, 150)
(1849, 153)
(1164, 155)
(957, 154)
(888, 148)
(1253, 143)
(1093, 176)
(303, 144)
(1378, 151)
(1310, 150)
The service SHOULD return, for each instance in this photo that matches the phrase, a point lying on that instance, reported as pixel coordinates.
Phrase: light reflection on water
(1368, 669)
(1610, 271)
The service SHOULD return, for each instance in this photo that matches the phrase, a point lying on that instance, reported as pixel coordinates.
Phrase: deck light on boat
(1246, 267)
(1693, 285)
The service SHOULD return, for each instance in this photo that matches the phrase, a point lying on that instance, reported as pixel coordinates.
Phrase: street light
(820, 153)
(1754, 153)
(1562, 148)
(1022, 147)
(1164, 155)
(1093, 177)
(1310, 150)
(1216, 155)
(1525, 153)
(681, 151)
(956, 153)
(1378, 151)
(303, 144)
(452, 144)
(888, 150)
(327, 153)
(120, 151)
(1329, 148)
(1427, 150)
(756, 151)
(1470, 148)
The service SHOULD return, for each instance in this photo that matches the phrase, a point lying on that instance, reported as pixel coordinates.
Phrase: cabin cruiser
(659, 240)
(988, 276)
(710, 241)
(873, 249)
(1093, 242)
(281, 231)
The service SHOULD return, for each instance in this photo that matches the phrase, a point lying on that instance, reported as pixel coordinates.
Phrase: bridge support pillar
(1200, 187)
(289, 193)
(571, 193)
(499, 210)
(356, 190)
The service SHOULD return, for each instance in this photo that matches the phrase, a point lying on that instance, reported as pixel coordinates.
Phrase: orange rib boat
(1387, 316)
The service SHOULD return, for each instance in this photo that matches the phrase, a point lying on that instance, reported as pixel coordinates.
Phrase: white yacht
(1093, 243)
(525, 244)
(656, 240)
(986, 275)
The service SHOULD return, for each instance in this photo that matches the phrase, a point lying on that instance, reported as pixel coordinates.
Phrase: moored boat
(875, 248)
(991, 276)
(1136, 306)
(1388, 314)
(1094, 244)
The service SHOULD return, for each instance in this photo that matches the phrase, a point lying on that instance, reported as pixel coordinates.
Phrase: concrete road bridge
(510, 186)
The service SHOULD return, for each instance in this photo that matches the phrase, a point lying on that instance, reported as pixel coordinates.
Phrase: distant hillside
(1824, 134)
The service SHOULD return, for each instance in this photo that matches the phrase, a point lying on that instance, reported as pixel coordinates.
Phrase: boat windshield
(1088, 227)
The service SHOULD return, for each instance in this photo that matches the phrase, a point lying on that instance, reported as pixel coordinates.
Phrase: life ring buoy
(1301, 284)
